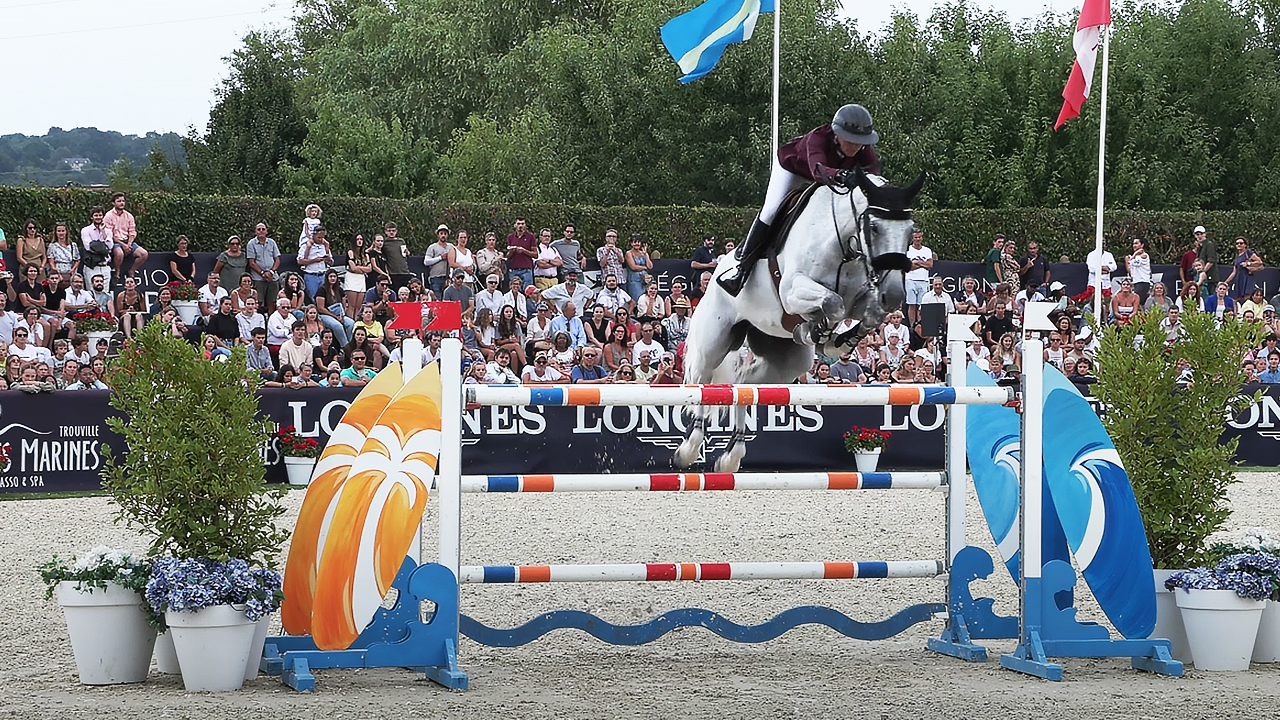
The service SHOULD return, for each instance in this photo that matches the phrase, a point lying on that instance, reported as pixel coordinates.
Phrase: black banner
(49, 453)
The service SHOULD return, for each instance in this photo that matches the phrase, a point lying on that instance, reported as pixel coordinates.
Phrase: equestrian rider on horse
(826, 154)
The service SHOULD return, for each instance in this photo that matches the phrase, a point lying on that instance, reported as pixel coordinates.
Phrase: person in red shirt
(522, 248)
(824, 154)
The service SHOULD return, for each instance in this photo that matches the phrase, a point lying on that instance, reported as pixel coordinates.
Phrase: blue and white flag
(697, 39)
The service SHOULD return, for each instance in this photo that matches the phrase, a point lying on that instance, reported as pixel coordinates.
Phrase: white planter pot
(299, 469)
(867, 461)
(213, 647)
(95, 336)
(110, 637)
(260, 629)
(1267, 647)
(1221, 627)
(188, 310)
(1169, 619)
(166, 656)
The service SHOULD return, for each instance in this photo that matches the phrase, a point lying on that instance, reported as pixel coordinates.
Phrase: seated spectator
(822, 374)
(70, 374)
(562, 352)
(1158, 301)
(305, 378)
(1172, 325)
(937, 295)
(359, 374)
(676, 325)
(249, 318)
(623, 317)
(297, 351)
(847, 371)
(627, 374)
(499, 371)
(509, 335)
(1083, 377)
(588, 371)
(539, 373)
(568, 291)
(1125, 303)
(332, 378)
(326, 353)
(459, 291)
(360, 343)
(618, 350)
(570, 324)
(475, 374)
(650, 305)
(88, 381)
(287, 374)
(490, 298)
(613, 297)
(22, 348)
(258, 358)
(486, 332)
(519, 297)
(668, 372)
(1219, 304)
(372, 327)
(597, 327)
(646, 345)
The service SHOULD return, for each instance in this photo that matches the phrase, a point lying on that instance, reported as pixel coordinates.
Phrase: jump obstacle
(420, 624)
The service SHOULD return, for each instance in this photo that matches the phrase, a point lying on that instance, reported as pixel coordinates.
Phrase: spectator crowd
(529, 313)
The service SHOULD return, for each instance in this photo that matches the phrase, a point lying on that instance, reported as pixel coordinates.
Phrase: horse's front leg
(821, 308)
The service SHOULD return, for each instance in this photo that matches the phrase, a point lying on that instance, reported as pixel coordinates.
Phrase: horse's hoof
(731, 460)
(683, 457)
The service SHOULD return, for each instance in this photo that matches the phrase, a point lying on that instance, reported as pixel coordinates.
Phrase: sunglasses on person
(540, 361)
(20, 334)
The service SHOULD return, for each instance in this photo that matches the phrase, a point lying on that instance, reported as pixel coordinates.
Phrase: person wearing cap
(538, 331)
(1035, 267)
(676, 325)
(1058, 296)
(491, 296)
(437, 260)
(1204, 250)
(568, 291)
(828, 154)
(460, 292)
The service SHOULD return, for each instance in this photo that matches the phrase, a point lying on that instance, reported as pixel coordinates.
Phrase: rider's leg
(752, 249)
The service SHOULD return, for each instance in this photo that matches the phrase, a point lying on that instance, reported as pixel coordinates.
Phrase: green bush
(191, 475)
(675, 231)
(1169, 438)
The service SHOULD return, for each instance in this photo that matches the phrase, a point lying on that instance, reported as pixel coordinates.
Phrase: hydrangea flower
(194, 584)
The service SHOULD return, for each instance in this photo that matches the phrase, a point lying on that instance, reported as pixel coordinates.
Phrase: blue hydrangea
(194, 584)
(1250, 575)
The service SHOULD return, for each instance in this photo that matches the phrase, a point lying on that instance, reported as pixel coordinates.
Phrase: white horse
(844, 258)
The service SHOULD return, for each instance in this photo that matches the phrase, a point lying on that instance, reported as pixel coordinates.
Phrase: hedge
(673, 230)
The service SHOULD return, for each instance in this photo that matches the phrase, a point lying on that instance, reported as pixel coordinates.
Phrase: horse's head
(886, 223)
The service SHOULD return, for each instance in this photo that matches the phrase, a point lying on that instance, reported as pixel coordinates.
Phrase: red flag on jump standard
(1095, 15)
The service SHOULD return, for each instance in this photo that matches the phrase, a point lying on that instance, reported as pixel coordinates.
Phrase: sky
(137, 66)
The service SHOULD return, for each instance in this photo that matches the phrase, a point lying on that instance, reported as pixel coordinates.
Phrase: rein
(852, 249)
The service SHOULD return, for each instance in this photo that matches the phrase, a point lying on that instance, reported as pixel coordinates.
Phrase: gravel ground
(809, 672)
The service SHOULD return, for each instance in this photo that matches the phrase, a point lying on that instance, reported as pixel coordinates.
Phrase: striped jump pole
(669, 572)
(685, 395)
(690, 482)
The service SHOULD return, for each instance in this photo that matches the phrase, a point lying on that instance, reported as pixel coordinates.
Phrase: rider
(824, 154)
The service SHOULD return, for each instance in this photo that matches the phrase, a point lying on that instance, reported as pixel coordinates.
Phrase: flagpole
(1102, 147)
(777, 39)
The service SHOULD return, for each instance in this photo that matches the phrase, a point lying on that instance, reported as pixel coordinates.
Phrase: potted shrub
(1258, 541)
(101, 597)
(866, 445)
(191, 475)
(299, 454)
(1165, 403)
(186, 300)
(96, 324)
(1222, 607)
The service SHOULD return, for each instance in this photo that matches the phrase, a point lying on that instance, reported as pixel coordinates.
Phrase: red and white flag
(1095, 15)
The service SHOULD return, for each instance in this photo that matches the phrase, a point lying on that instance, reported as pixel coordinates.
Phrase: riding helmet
(853, 123)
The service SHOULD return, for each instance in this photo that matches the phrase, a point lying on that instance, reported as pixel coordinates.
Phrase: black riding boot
(748, 254)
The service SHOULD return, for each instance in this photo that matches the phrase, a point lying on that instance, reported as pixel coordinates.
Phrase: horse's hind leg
(731, 459)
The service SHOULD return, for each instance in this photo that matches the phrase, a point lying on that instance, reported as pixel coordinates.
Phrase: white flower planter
(299, 469)
(213, 647)
(1221, 627)
(260, 629)
(95, 336)
(166, 656)
(110, 637)
(867, 460)
(1169, 619)
(1267, 647)
(188, 310)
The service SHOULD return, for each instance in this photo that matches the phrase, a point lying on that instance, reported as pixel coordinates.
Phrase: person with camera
(95, 258)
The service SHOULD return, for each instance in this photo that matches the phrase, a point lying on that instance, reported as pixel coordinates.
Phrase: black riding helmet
(853, 124)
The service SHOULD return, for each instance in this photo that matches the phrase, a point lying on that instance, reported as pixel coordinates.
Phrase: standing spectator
(1138, 264)
(64, 255)
(921, 259)
(1108, 265)
(124, 233)
(610, 256)
(315, 258)
(1035, 272)
(1207, 253)
(570, 250)
(397, 251)
(646, 345)
(437, 260)
(249, 320)
(233, 262)
(587, 371)
(522, 249)
(32, 250)
(460, 292)
(264, 263)
(704, 257)
(461, 258)
(991, 264)
(613, 297)
(546, 266)
(1243, 266)
(638, 266)
(182, 265)
(257, 357)
(378, 262)
(96, 242)
(489, 259)
(1010, 266)
(353, 282)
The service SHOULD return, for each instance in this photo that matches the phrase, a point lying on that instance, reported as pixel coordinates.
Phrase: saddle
(794, 204)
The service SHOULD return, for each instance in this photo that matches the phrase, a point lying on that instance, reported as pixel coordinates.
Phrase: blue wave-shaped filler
(696, 617)
(1086, 479)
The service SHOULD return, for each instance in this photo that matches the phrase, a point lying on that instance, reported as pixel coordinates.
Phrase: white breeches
(781, 183)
